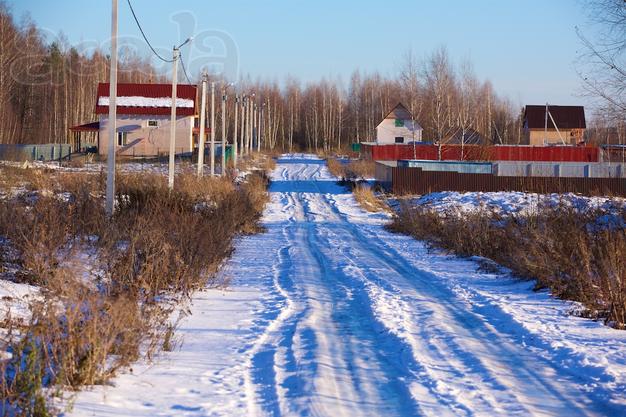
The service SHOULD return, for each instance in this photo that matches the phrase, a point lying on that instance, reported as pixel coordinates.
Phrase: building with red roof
(144, 119)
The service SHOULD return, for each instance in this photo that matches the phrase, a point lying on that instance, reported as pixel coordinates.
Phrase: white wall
(560, 169)
(386, 132)
(142, 140)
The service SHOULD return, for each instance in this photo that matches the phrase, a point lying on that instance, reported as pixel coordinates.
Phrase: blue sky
(526, 48)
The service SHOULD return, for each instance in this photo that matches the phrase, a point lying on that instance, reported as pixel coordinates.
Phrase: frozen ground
(328, 314)
(513, 202)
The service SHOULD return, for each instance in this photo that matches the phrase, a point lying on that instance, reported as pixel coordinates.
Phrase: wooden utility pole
(110, 191)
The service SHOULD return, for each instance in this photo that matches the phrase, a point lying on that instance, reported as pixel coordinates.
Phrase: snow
(328, 314)
(137, 101)
(512, 202)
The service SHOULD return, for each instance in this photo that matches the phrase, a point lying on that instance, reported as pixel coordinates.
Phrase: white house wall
(142, 140)
(387, 131)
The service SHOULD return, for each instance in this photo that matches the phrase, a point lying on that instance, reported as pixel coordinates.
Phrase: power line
(145, 37)
(182, 64)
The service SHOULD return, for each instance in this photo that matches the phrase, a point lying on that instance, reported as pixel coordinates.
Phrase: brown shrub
(159, 245)
(564, 250)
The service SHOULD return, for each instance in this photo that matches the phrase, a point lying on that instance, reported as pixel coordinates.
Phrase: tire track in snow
(365, 332)
(465, 346)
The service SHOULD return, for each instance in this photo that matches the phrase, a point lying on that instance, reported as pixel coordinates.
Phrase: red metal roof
(183, 91)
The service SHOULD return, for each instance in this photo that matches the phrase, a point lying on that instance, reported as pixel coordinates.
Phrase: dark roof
(183, 91)
(87, 127)
(566, 117)
(472, 137)
(399, 112)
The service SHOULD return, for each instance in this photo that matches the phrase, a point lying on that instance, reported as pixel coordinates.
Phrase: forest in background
(47, 87)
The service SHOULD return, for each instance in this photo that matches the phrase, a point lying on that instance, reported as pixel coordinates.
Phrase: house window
(399, 123)
(121, 138)
(399, 139)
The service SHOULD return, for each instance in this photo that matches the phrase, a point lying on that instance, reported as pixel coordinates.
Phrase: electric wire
(182, 64)
(144, 35)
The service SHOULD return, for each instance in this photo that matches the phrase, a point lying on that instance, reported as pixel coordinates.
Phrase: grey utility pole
(175, 57)
(235, 138)
(256, 128)
(250, 127)
(110, 192)
(224, 98)
(212, 128)
(202, 124)
(243, 131)
(170, 181)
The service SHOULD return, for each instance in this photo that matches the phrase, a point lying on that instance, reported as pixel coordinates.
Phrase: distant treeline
(47, 87)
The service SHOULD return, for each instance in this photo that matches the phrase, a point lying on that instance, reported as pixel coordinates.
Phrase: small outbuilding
(554, 125)
(398, 127)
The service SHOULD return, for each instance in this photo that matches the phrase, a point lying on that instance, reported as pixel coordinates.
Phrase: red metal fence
(481, 153)
(417, 181)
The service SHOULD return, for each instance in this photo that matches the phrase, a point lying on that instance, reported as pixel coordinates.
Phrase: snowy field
(515, 202)
(328, 314)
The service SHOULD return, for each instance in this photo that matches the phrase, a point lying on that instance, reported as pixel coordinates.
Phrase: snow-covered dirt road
(330, 315)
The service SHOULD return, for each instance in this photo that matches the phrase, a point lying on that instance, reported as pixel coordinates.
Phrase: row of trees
(328, 115)
(46, 88)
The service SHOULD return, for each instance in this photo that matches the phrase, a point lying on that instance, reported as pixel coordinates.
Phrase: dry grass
(360, 169)
(353, 171)
(564, 250)
(368, 200)
(335, 167)
(159, 245)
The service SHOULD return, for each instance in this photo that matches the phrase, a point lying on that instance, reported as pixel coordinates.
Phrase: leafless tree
(602, 65)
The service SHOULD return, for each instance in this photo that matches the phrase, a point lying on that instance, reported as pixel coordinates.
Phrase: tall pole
(202, 123)
(223, 131)
(413, 132)
(242, 148)
(212, 128)
(251, 124)
(248, 105)
(545, 129)
(235, 138)
(110, 192)
(261, 125)
(170, 181)
(256, 123)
